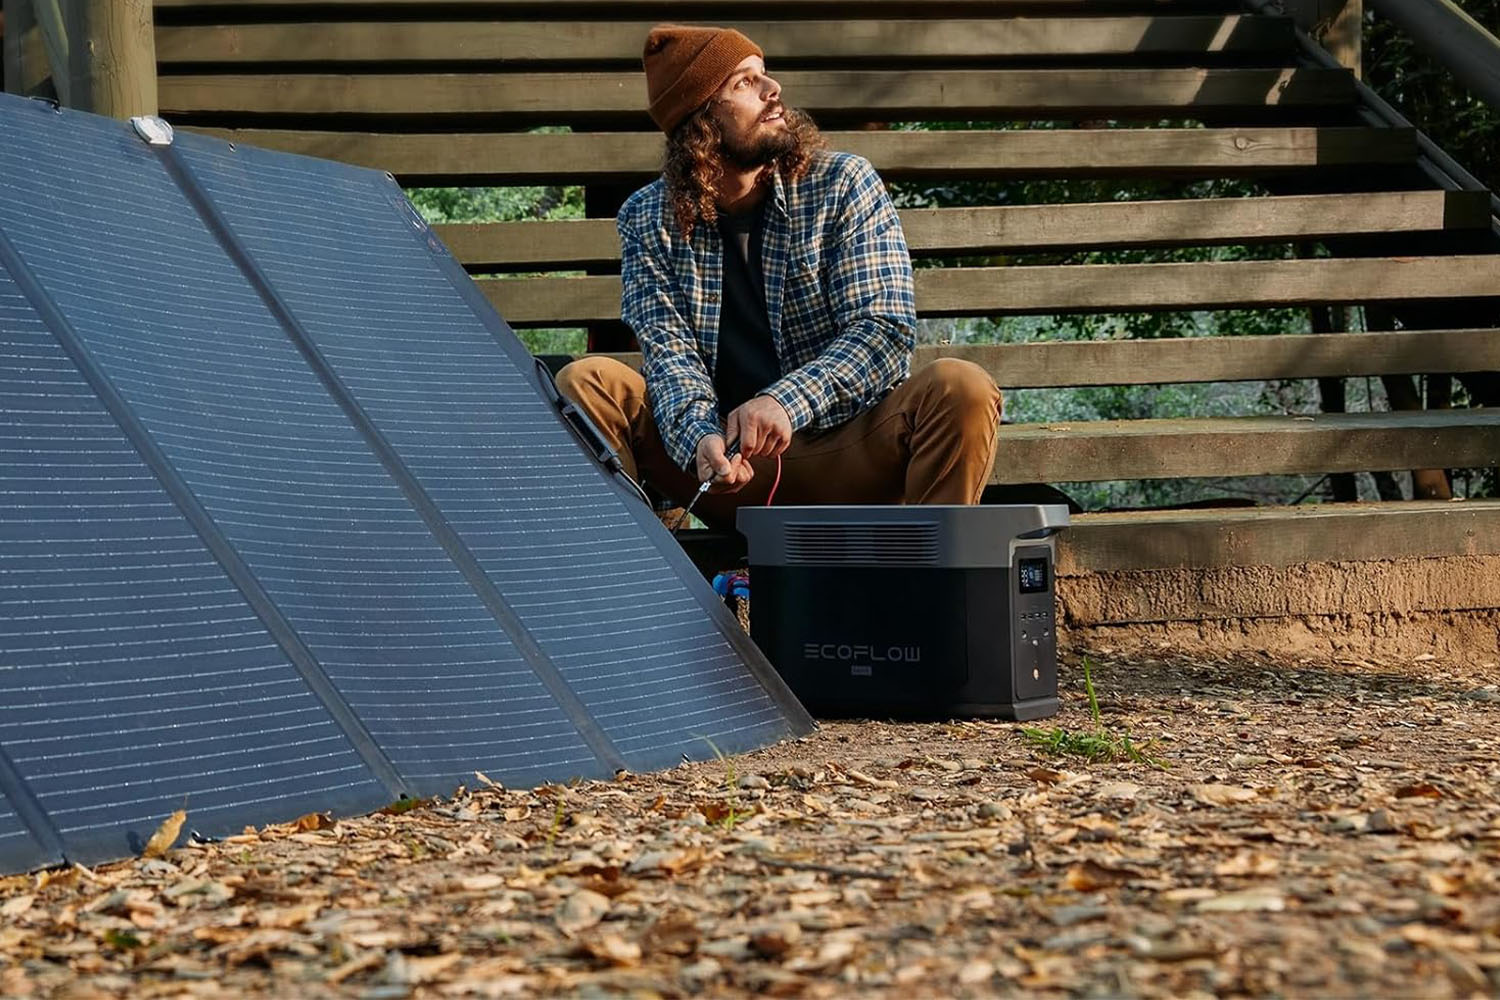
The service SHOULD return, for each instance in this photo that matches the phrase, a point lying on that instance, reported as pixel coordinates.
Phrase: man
(769, 285)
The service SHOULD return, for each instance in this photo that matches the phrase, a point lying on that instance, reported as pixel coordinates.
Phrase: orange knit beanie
(685, 65)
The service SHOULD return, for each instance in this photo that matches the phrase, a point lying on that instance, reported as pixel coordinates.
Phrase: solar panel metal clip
(154, 130)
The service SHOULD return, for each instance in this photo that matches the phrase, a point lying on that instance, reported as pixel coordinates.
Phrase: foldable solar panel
(288, 522)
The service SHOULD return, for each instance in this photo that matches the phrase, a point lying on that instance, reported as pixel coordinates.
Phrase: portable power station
(911, 611)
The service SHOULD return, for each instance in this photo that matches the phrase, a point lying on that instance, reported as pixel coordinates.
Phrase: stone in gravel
(925, 794)
(995, 810)
(1379, 821)
(753, 781)
(973, 764)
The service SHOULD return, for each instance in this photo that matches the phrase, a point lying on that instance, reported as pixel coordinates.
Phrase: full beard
(765, 145)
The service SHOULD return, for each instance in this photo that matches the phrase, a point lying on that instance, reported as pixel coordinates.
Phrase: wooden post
(30, 52)
(1337, 24)
(1332, 396)
(111, 55)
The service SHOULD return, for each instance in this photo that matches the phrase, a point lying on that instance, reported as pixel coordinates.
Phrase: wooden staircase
(450, 92)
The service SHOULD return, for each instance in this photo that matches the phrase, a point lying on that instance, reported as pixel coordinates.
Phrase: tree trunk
(111, 56)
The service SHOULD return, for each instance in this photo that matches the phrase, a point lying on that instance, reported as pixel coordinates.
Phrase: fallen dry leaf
(1421, 790)
(1223, 795)
(1248, 901)
(165, 836)
(580, 911)
(611, 949)
(16, 905)
(314, 821)
(1088, 876)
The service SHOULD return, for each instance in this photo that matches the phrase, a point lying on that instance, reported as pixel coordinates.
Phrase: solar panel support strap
(203, 523)
(468, 565)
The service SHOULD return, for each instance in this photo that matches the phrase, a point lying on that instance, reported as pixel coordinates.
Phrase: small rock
(994, 810)
(1380, 821)
(753, 781)
(973, 764)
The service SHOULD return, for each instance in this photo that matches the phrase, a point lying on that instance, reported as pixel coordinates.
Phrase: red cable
(775, 483)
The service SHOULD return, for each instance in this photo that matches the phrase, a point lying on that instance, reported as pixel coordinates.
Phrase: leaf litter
(1318, 828)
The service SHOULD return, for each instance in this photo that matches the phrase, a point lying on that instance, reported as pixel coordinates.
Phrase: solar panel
(289, 525)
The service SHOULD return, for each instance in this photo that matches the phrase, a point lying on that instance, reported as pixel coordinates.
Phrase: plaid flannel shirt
(838, 294)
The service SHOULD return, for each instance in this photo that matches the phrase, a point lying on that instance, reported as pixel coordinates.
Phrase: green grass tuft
(1100, 744)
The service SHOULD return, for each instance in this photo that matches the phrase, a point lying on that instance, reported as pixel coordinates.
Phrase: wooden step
(979, 291)
(1013, 228)
(785, 41)
(1172, 360)
(1103, 450)
(1053, 364)
(591, 157)
(564, 97)
(1277, 536)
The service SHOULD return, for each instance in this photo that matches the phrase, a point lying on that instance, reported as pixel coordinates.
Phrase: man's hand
(730, 474)
(761, 426)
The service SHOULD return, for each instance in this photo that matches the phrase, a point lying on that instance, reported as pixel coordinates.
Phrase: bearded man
(769, 285)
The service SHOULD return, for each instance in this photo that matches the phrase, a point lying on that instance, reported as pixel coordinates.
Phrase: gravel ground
(1291, 829)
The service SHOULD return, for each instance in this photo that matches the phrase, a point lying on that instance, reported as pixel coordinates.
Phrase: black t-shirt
(746, 361)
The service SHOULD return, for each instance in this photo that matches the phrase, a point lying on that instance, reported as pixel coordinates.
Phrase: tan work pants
(932, 440)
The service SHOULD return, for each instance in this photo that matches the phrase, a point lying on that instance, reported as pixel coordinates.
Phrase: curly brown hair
(695, 163)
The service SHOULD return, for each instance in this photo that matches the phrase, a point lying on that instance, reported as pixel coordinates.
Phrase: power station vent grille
(862, 544)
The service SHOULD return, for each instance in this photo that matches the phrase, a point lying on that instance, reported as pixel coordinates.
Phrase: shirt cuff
(792, 399)
(693, 435)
